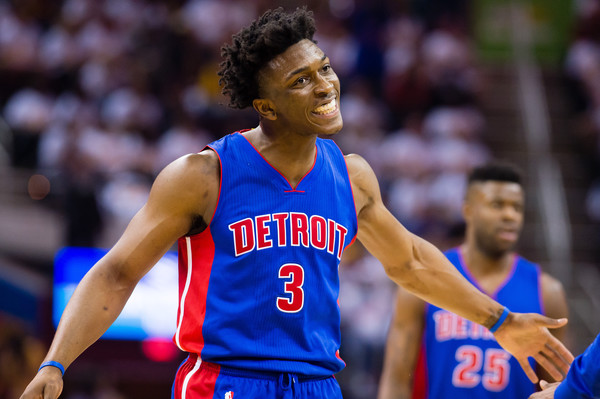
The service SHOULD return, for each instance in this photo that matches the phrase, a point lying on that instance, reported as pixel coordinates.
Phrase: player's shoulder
(355, 160)
(364, 182)
(205, 162)
(359, 169)
(200, 170)
(550, 284)
(189, 184)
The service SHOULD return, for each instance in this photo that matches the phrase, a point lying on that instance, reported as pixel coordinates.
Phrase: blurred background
(97, 96)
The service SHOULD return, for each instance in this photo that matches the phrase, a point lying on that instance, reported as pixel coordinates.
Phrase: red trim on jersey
(420, 382)
(196, 380)
(351, 191)
(293, 189)
(337, 354)
(196, 255)
(220, 184)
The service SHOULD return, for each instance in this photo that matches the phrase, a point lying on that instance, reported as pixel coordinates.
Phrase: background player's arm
(402, 348)
(183, 192)
(555, 306)
(422, 269)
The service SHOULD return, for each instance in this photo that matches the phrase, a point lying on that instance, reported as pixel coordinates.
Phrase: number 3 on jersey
(495, 364)
(293, 287)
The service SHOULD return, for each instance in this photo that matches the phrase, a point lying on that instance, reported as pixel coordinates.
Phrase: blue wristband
(54, 364)
(498, 323)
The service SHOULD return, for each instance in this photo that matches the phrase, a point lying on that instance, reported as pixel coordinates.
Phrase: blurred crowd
(582, 69)
(99, 95)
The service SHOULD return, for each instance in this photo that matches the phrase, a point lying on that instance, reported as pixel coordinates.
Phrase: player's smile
(328, 109)
(303, 89)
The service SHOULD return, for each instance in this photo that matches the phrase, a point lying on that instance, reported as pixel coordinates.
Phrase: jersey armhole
(217, 208)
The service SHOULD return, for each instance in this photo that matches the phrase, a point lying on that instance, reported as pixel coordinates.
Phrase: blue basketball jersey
(461, 359)
(259, 287)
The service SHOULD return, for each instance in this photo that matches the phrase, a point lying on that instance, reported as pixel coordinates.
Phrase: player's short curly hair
(257, 44)
(501, 171)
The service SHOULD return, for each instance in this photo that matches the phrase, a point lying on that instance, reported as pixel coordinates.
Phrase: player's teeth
(326, 108)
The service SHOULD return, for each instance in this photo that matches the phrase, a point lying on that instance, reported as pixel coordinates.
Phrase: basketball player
(262, 217)
(433, 353)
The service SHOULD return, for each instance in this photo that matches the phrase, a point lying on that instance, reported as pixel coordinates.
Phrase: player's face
(303, 89)
(494, 212)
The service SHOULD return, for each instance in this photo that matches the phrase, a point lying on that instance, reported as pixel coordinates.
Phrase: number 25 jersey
(259, 286)
(461, 359)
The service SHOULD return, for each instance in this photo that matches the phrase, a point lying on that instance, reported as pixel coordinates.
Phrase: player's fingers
(559, 349)
(528, 370)
(553, 323)
(555, 358)
(549, 366)
(543, 384)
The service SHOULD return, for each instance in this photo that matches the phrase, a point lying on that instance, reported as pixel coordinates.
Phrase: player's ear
(467, 206)
(265, 108)
(466, 210)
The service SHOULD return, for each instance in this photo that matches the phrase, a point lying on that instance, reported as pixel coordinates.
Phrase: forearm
(428, 274)
(94, 306)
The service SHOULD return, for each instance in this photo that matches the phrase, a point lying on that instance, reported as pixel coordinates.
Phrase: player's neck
(291, 154)
(481, 263)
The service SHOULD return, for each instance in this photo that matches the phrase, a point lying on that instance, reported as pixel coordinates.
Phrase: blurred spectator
(27, 112)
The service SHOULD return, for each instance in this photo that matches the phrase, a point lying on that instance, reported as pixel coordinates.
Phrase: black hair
(257, 44)
(495, 171)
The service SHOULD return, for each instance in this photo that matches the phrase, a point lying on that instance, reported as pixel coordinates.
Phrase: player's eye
(301, 80)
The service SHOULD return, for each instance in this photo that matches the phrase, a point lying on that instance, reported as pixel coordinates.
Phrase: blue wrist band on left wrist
(499, 322)
(54, 364)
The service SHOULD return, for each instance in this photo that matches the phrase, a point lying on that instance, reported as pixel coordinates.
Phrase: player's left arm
(419, 267)
(555, 306)
(410, 261)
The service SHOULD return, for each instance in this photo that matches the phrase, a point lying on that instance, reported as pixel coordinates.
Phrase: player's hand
(526, 335)
(47, 384)
(547, 391)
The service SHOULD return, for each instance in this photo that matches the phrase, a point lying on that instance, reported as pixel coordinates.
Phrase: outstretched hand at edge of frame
(526, 335)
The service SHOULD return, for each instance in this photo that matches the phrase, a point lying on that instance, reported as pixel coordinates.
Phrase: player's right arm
(185, 192)
(402, 348)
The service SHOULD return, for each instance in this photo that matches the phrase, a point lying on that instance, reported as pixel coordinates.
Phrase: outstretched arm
(175, 201)
(422, 269)
(402, 348)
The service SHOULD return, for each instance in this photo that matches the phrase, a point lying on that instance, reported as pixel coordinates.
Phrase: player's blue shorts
(201, 380)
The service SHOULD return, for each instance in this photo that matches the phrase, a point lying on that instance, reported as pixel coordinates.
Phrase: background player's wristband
(498, 323)
(54, 364)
